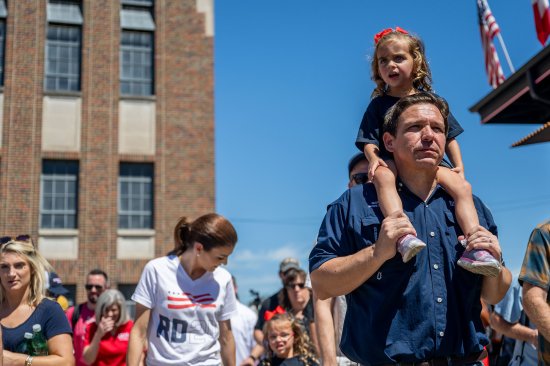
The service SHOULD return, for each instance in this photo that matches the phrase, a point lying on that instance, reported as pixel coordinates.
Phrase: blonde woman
(22, 305)
(106, 341)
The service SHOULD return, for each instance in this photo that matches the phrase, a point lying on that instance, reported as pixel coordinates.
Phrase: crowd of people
(407, 269)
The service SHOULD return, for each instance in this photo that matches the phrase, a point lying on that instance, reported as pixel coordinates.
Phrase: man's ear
(388, 141)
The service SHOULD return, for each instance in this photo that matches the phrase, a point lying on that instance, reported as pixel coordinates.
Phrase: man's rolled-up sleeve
(333, 238)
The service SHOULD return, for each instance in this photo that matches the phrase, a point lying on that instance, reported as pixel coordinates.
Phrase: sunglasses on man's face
(7, 239)
(360, 178)
(90, 287)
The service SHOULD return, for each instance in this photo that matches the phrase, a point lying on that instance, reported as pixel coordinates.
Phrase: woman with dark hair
(184, 301)
(24, 308)
(297, 299)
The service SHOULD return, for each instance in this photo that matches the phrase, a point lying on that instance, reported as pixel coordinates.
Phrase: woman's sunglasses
(292, 286)
(7, 239)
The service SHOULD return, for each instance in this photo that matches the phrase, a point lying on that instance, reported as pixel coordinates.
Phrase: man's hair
(357, 158)
(99, 272)
(393, 114)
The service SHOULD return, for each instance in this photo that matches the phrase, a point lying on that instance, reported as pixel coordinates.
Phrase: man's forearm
(325, 330)
(513, 330)
(341, 275)
(537, 309)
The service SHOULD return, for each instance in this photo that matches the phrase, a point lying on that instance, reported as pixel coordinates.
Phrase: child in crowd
(399, 68)
(287, 343)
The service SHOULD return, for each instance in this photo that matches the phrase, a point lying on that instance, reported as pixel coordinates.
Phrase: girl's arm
(372, 152)
(60, 348)
(227, 343)
(453, 152)
(138, 336)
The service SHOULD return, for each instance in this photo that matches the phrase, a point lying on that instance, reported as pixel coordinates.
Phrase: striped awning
(524, 98)
(540, 135)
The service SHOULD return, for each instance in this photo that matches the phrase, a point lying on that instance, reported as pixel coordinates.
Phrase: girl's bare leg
(390, 202)
(476, 261)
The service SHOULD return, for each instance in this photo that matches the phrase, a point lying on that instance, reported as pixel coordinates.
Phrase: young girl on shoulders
(399, 68)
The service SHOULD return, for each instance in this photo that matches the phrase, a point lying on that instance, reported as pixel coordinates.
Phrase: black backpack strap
(76, 315)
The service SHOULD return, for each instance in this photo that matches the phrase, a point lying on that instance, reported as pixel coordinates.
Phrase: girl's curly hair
(421, 74)
(302, 346)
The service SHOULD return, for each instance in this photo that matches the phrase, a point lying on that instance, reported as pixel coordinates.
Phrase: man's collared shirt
(406, 312)
(536, 271)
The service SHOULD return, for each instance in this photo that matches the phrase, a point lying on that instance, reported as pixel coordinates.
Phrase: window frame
(147, 84)
(136, 175)
(60, 45)
(66, 172)
(134, 84)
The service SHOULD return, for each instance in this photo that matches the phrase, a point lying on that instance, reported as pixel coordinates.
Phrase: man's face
(361, 167)
(95, 285)
(420, 138)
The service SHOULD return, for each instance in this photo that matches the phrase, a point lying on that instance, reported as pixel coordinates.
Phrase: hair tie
(270, 314)
(184, 231)
(378, 36)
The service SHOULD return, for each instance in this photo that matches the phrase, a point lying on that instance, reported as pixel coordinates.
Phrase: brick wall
(184, 159)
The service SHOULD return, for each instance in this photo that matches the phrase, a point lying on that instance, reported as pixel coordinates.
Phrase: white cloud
(259, 258)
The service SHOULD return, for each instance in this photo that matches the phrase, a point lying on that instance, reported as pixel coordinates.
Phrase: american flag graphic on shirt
(188, 300)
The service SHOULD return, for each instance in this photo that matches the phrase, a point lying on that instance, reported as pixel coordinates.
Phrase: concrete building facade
(106, 129)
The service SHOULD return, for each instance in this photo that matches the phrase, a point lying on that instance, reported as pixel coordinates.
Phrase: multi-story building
(106, 129)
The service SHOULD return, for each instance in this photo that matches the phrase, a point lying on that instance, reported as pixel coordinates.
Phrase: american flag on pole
(489, 29)
(542, 19)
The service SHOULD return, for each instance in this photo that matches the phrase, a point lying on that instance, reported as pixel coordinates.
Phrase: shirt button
(436, 266)
(439, 299)
(441, 334)
(432, 234)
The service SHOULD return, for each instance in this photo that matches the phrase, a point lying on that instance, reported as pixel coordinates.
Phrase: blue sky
(292, 81)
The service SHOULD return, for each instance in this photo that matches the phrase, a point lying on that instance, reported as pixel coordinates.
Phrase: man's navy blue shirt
(406, 312)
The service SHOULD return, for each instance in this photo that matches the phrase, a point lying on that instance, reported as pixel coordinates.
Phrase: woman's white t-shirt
(183, 328)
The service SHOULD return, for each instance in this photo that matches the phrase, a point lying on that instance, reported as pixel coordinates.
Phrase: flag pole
(505, 52)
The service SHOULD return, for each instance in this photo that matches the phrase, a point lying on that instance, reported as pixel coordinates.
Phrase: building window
(58, 194)
(136, 63)
(135, 196)
(63, 46)
(3, 15)
(136, 48)
(138, 2)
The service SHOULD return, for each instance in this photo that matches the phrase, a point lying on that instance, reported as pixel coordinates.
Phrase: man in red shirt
(80, 316)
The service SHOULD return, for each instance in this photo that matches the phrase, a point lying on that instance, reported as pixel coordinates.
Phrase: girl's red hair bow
(270, 314)
(378, 36)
